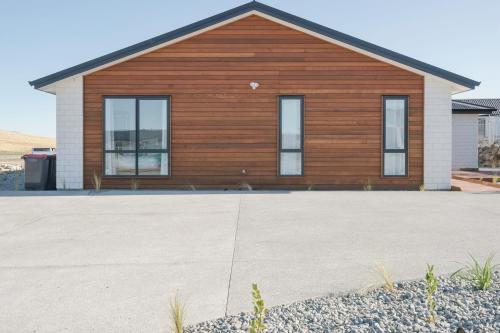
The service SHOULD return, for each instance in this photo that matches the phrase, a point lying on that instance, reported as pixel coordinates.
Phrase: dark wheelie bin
(51, 181)
(36, 169)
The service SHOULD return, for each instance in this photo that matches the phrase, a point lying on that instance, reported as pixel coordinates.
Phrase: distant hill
(16, 142)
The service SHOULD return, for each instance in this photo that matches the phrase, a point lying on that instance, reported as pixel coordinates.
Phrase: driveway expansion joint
(234, 251)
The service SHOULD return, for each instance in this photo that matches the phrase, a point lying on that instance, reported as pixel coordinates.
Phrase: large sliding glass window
(291, 138)
(136, 136)
(395, 136)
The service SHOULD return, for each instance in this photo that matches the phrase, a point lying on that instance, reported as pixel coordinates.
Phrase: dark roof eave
(295, 20)
(460, 111)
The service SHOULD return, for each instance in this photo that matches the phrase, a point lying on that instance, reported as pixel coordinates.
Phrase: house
(489, 123)
(465, 133)
(257, 96)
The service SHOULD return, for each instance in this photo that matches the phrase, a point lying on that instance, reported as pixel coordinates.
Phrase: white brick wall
(437, 134)
(69, 133)
(465, 141)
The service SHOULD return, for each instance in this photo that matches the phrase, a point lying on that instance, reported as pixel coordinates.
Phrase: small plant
(496, 179)
(310, 187)
(134, 185)
(177, 312)
(431, 288)
(384, 274)
(96, 181)
(16, 180)
(257, 324)
(368, 186)
(480, 275)
(246, 186)
(421, 188)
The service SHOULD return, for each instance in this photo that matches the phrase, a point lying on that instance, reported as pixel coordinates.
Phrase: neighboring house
(489, 123)
(255, 96)
(465, 133)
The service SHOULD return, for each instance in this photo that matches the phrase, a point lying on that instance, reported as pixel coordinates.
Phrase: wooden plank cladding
(220, 126)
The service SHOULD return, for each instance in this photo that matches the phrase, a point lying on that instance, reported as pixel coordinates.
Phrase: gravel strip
(459, 304)
(11, 180)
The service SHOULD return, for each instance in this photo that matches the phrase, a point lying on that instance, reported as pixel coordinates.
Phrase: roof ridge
(477, 99)
(472, 104)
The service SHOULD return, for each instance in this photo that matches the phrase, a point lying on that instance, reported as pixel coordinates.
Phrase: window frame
(280, 149)
(481, 121)
(406, 136)
(137, 151)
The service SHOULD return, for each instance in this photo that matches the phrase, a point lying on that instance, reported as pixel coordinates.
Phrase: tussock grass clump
(386, 277)
(421, 188)
(431, 287)
(96, 181)
(17, 175)
(480, 275)
(177, 314)
(368, 186)
(246, 186)
(257, 324)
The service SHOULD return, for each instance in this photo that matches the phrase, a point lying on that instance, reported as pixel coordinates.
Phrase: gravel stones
(11, 177)
(459, 304)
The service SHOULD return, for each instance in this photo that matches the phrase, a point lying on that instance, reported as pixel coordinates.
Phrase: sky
(38, 38)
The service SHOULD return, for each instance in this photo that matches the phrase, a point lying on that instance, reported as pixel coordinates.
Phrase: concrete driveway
(110, 262)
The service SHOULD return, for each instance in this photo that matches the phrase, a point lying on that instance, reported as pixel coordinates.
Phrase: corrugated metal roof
(492, 103)
(273, 12)
(463, 107)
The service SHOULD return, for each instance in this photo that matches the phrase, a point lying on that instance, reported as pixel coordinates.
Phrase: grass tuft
(421, 188)
(480, 275)
(134, 185)
(96, 181)
(17, 174)
(246, 186)
(431, 287)
(386, 277)
(177, 314)
(368, 186)
(257, 324)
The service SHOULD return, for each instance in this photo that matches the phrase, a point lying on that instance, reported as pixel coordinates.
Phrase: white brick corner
(437, 134)
(69, 133)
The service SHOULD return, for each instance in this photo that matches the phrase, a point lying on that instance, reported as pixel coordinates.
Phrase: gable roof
(458, 106)
(488, 103)
(258, 7)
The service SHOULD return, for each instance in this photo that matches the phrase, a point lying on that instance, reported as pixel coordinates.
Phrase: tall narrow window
(395, 136)
(136, 136)
(291, 141)
(482, 127)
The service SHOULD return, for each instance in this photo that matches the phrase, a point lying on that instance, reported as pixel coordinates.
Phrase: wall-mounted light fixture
(254, 85)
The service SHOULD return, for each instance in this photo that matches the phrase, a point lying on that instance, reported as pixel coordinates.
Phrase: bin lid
(40, 156)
